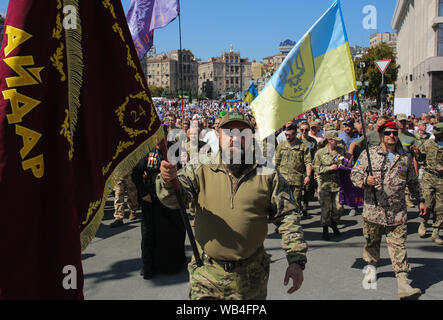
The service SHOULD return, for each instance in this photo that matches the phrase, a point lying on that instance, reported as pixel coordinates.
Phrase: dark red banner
(75, 116)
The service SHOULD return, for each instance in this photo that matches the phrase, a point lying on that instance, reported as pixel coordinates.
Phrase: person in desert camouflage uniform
(326, 162)
(431, 153)
(293, 159)
(233, 205)
(393, 170)
(123, 187)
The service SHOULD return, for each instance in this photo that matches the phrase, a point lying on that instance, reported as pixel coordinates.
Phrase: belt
(435, 173)
(228, 266)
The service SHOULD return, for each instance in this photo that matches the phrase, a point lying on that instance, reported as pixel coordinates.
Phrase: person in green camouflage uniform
(326, 162)
(393, 170)
(431, 154)
(233, 205)
(293, 159)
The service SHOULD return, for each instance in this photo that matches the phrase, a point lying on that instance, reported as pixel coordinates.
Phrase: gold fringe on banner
(122, 169)
(75, 68)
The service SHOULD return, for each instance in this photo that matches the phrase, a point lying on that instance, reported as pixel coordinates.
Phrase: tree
(156, 91)
(372, 74)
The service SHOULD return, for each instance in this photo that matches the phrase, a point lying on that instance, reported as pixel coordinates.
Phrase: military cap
(348, 123)
(329, 127)
(422, 122)
(332, 134)
(401, 117)
(313, 124)
(438, 128)
(235, 116)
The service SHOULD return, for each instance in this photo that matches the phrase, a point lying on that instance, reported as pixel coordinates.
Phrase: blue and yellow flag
(251, 94)
(317, 70)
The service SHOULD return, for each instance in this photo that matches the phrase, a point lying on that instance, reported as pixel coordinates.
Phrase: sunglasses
(304, 130)
(313, 128)
(388, 133)
(290, 135)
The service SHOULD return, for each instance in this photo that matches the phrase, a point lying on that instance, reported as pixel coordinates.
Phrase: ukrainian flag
(251, 94)
(317, 70)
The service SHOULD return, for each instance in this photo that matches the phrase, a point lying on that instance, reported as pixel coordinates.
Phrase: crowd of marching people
(321, 152)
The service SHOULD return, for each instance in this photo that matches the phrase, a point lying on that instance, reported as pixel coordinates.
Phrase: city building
(358, 52)
(419, 25)
(390, 38)
(164, 70)
(257, 69)
(227, 74)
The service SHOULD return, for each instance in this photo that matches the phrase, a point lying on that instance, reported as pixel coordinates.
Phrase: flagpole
(181, 65)
(366, 144)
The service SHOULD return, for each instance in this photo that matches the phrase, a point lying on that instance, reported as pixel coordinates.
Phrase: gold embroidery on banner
(116, 27)
(57, 63)
(92, 207)
(120, 148)
(57, 31)
(66, 132)
(59, 4)
(108, 5)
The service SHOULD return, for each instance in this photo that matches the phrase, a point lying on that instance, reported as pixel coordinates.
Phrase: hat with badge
(402, 117)
(438, 128)
(234, 117)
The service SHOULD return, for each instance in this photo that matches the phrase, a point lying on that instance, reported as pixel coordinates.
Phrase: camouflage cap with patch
(438, 128)
(235, 116)
(332, 134)
(401, 117)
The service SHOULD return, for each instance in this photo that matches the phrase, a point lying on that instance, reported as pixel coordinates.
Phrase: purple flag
(349, 194)
(146, 15)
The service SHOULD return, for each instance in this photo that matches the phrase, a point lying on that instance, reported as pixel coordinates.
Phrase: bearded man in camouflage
(233, 203)
(393, 170)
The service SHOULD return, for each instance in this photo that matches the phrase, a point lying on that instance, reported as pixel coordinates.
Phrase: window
(440, 40)
(440, 8)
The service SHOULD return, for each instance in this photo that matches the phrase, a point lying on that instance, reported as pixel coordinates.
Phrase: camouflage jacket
(421, 139)
(323, 160)
(232, 214)
(431, 155)
(390, 193)
(292, 161)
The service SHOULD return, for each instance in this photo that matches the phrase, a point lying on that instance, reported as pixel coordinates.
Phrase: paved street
(334, 271)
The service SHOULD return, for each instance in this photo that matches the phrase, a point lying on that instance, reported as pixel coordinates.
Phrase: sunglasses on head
(388, 133)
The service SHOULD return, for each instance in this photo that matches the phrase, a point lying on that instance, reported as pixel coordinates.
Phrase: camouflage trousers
(395, 239)
(433, 194)
(331, 209)
(125, 185)
(249, 281)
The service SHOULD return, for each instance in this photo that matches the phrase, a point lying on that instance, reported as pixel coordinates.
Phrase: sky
(256, 27)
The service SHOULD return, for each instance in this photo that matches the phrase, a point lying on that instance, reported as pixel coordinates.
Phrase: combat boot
(335, 229)
(325, 235)
(422, 229)
(436, 238)
(132, 215)
(405, 291)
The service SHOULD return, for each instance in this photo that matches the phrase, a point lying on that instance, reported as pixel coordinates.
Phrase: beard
(237, 169)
